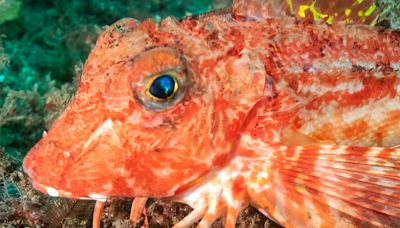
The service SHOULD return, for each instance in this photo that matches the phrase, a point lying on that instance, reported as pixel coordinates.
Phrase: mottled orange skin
(258, 99)
(107, 92)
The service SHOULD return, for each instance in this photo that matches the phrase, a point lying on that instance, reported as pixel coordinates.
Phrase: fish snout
(46, 164)
(88, 169)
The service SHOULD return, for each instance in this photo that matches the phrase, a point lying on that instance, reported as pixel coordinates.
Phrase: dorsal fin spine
(350, 11)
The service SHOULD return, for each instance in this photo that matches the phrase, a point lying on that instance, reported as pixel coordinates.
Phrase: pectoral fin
(329, 186)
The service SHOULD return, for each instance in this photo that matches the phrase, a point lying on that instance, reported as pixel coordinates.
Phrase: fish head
(159, 106)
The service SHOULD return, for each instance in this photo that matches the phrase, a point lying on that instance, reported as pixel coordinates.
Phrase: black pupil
(163, 86)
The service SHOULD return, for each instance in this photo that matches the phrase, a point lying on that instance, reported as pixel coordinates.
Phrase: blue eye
(162, 87)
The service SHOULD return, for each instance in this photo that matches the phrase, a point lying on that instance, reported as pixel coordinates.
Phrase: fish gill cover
(43, 45)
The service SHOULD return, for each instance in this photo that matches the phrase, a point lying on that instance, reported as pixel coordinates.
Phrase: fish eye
(162, 90)
(162, 87)
(160, 79)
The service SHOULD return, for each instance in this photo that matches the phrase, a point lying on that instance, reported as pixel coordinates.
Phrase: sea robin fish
(299, 117)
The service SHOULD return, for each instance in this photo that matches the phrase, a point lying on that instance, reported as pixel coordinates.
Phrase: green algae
(390, 12)
(9, 10)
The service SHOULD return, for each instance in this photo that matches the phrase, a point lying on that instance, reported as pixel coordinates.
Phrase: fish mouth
(49, 188)
(53, 192)
(53, 182)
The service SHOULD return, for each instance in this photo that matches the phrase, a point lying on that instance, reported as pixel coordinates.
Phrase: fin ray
(355, 11)
(330, 185)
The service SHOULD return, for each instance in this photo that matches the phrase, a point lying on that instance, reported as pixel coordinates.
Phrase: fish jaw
(51, 167)
(104, 166)
(45, 185)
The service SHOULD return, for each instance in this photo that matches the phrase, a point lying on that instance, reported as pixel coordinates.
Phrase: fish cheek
(169, 149)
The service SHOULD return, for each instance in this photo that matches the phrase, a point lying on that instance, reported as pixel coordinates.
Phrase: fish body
(297, 118)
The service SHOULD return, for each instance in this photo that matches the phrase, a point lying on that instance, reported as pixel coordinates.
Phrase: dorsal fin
(351, 11)
(258, 9)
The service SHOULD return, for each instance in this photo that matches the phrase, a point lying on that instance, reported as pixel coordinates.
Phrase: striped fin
(350, 11)
(329, 186)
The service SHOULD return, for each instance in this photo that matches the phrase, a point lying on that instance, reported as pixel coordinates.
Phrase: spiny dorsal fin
(351, 11)
(258, 9)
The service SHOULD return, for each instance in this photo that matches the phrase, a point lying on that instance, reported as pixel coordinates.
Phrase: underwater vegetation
(43, 45)
(9, 10)
(390, 12)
